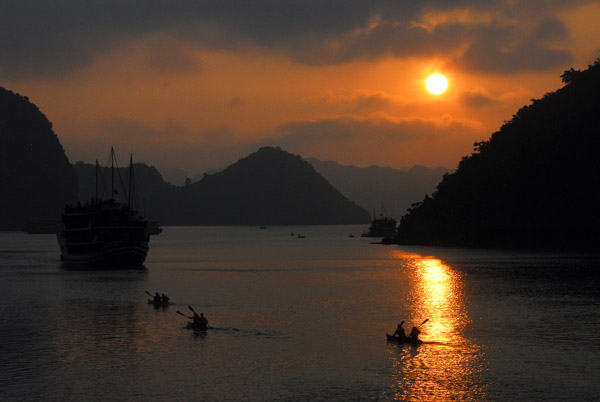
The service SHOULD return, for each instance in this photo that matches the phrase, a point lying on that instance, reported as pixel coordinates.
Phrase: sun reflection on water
(449, 365)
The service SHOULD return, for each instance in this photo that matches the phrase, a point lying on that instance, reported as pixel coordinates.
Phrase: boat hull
(404, 340)
(191, 325)
(110, 254)
(158, 304)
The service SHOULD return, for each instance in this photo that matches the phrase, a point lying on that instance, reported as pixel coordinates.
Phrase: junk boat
(382, 226)
(106, 234)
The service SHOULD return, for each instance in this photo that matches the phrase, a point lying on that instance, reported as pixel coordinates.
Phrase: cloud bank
(40, 39)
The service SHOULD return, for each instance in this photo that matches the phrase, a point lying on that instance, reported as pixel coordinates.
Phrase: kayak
(198, 327)
(406, 339)
(150, 301)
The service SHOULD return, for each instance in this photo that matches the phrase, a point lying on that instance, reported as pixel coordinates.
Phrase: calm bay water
(298, 320)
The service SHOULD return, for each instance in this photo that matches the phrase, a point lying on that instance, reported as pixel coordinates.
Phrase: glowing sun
(436, 84)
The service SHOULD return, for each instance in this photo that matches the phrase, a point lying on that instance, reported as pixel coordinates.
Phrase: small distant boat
(263, 227)
(300, 236)
(350, 235)
(382, 226)
(107, 234)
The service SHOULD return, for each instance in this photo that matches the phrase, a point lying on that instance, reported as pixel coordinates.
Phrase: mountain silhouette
(533, 184)
(174, 176)
(373, 185)
(268, 187)
(35, 175)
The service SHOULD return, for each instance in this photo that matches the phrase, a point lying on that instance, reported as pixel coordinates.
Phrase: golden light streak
(448, 365)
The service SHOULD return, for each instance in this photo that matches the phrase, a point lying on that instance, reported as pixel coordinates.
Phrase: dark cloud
(52, 38)
(361, 104)
(127, 130)
(164, 54)
(503, 50)
(549, 29)
(345, 130)
(370, 103)
(133, 130)
(476, 99)
(388, 38)
(170, 146)
(388, 142)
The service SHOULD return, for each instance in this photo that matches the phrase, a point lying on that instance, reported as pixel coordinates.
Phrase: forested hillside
(533, 184)
(35, 175)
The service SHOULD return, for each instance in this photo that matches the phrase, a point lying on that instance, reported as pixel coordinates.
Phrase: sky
(197, 85)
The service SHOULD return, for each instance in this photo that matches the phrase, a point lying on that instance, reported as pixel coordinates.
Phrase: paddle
(150, 294)
(410, 338)
(180, 313)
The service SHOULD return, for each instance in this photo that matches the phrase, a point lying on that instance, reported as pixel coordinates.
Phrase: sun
(436, 84)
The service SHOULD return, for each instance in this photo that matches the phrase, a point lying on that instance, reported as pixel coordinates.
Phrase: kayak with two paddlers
(399, 336)
(199, 322)
(158, 299)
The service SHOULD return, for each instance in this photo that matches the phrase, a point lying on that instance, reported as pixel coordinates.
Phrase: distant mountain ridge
(533, 184)
(174, 176)
(268, 187)
(371, 186)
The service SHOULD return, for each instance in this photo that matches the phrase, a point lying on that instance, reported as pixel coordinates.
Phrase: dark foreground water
(298, 320)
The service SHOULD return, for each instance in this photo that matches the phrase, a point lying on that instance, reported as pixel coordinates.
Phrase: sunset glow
(198, 88)
(436, 84)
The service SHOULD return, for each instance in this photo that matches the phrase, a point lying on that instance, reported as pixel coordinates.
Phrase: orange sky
(342, 82)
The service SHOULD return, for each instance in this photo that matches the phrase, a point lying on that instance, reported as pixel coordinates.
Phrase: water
(298, 320)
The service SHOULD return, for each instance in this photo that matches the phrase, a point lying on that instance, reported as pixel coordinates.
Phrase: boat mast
(112, 173)
(97, 167)
(130, 179)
